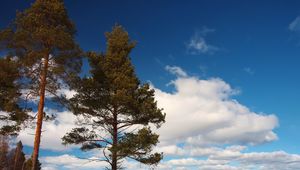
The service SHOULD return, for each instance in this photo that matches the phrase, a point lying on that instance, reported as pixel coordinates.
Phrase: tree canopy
(42, 39)
(116, 110)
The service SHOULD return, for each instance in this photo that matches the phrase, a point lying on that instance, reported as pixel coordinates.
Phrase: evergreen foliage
(12, 115)
(14, 159)
(42, 39)
(112, 103)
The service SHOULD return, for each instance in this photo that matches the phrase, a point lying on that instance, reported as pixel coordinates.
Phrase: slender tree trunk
(3, 152)
(40, 115)
(115, 141)
(17, 155)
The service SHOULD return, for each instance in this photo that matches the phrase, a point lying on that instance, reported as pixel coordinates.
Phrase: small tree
(16, 157)
(42, 38)
(112, 103)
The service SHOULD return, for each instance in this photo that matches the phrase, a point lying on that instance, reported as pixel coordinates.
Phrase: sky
(225, 72)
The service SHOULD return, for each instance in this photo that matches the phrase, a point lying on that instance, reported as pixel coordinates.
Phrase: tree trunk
(17, 155)
(40, 115)
(3, 152)
(115, 142)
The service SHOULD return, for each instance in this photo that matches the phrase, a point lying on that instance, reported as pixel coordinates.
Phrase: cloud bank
(206, 129)
(227, 159)
(202, 112)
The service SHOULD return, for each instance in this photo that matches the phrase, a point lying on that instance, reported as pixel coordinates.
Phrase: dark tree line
(42, 57)
(14, 159)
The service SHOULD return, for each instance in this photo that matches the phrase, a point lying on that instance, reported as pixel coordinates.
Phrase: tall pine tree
(42, 38)
(113, 103)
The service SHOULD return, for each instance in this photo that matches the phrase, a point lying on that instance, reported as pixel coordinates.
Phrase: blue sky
(253, 46)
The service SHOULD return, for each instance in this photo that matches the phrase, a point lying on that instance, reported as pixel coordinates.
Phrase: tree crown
(113, 100)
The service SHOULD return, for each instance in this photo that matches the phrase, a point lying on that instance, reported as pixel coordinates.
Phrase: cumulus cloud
(71, 162)
(240, 161)
(203, 112)
(201, 118)
(232, 157)
(244, 161)
(216, 153)
(198, 44)
(52, 131)
(271, 160)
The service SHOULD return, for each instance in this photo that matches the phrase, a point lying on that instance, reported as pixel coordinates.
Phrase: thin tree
(4, 148)
(17, 158)
(116, 110)
(42, 39)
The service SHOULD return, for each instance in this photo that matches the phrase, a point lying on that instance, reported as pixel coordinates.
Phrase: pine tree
(17, 158)
(112, 101)
(42, 38)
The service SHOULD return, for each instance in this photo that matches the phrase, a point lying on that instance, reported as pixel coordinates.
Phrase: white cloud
(202, 112)
(202, 117)
(271, 160)
(240, 161)
(295, 25)
(198, 44)
(52, 131)
(233, 158)
(216, 153)
(66, 92)
(4, 121)
(71, 162)
(176, 70)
